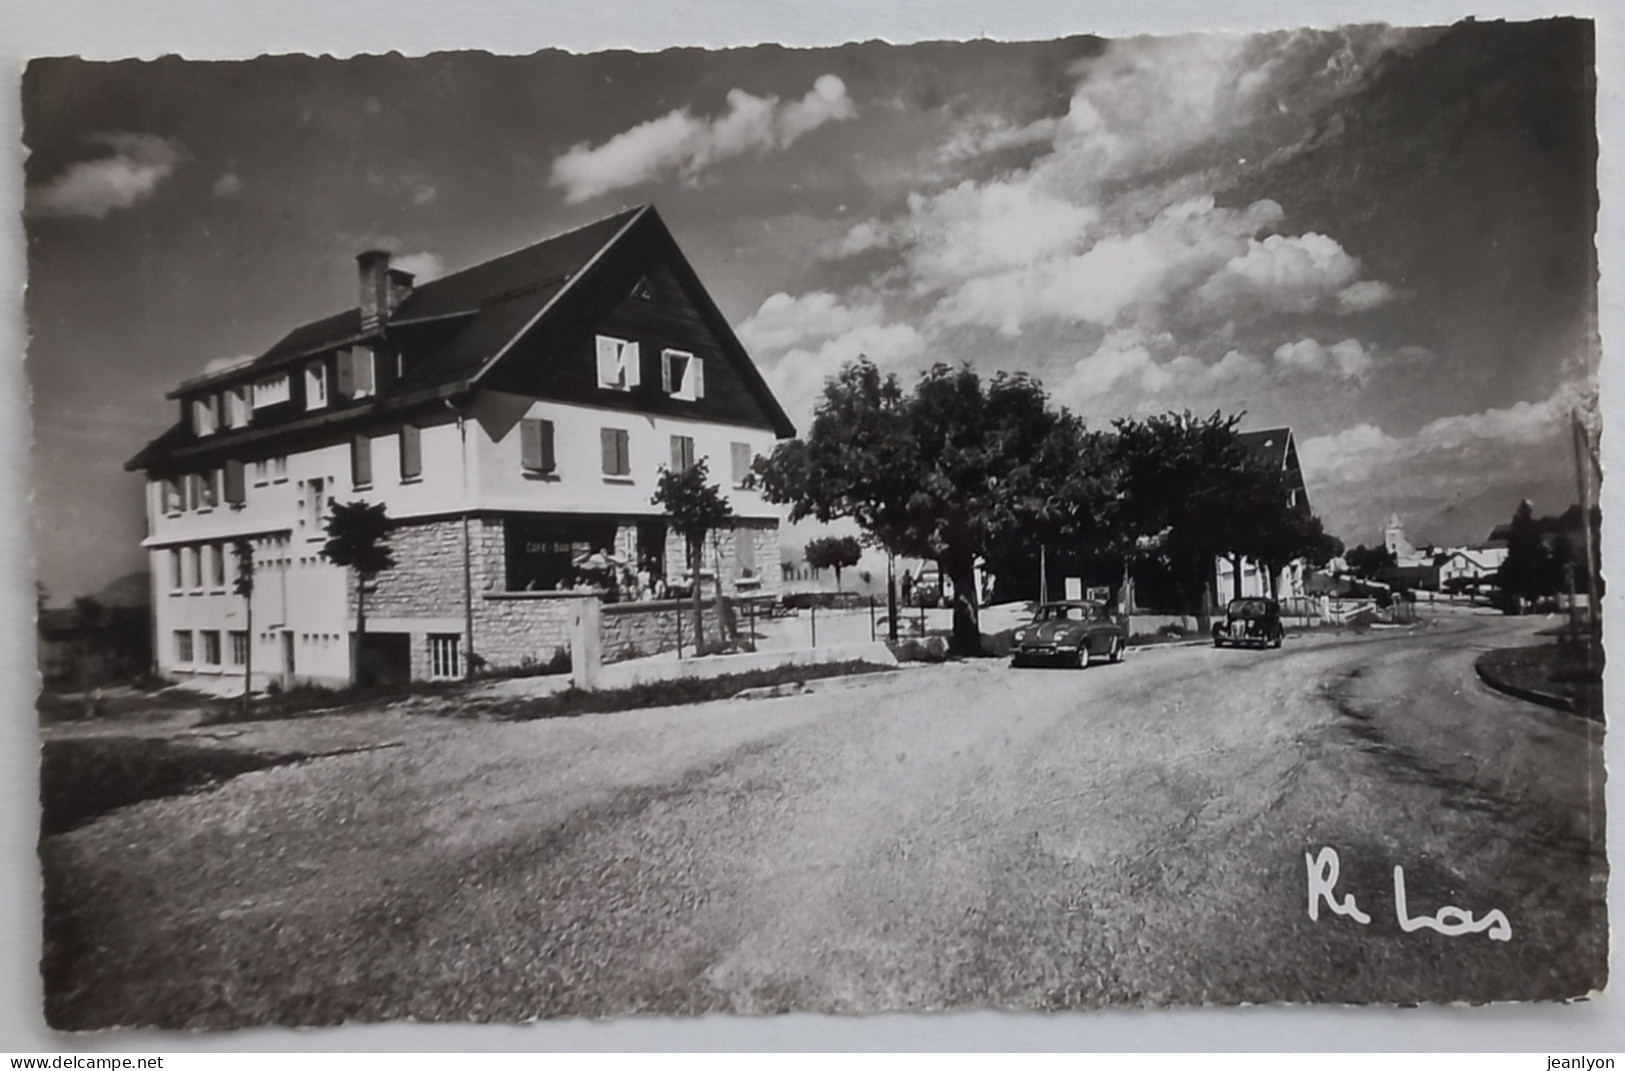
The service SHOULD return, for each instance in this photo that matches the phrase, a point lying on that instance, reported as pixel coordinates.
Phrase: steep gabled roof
(455, 330)
(1268, 444)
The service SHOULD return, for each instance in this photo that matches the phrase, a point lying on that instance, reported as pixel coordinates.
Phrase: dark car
(1069, 633)
(1250, 622)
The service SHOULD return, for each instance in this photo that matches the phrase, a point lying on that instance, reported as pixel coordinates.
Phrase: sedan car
(1069, 633)
(1250, 622)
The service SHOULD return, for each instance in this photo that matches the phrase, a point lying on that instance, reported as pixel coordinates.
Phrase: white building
(512, 417)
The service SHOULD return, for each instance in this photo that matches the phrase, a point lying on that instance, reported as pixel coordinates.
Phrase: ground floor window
(183, 645)
(239, 648)
(211, 647)
(444, 652)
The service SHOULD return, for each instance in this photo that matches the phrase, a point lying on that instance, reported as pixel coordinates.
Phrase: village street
(947, 836)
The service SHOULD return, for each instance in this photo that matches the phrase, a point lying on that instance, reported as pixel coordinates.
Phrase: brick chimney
(375, 288)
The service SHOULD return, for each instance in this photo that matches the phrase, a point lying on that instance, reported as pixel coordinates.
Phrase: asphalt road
(965, 835)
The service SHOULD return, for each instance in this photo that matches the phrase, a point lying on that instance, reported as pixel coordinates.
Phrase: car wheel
(1082, 656)
(1116, 654)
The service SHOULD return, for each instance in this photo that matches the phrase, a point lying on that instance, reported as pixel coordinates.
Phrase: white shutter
(632, 360)
(696, 373)
(609, 354)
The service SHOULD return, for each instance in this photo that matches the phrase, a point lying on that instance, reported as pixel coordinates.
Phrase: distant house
(512, 417)
(1468, 568)
(1274, 447)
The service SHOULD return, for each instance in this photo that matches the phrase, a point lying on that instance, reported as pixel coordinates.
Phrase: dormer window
(618, 364)
(315, 385)
(237, 409)
(355, 372)
(205, 415)
(682, 375)
(273, 390)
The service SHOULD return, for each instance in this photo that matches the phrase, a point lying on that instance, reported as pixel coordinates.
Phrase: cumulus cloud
(228, 185)
(1363, 295)
(1116, 278)
(681, 143)
(801, 341)
(1348, 358)
(1281, 273)
(423, 266)
(133, 169)
(1126, 363)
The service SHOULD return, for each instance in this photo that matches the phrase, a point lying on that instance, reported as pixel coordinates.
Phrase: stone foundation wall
(635, 629)
(521, 629)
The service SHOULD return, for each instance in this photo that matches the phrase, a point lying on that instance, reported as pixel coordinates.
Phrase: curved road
(953, 836)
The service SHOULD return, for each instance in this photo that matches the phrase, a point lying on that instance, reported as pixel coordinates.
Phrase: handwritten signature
(1448, 920)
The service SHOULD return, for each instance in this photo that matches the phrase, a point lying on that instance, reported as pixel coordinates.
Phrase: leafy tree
(1529, 571)
(1367, 562)
(243, 549)
(696, 507)
(358, 539)
(833, 552)
(947, 472)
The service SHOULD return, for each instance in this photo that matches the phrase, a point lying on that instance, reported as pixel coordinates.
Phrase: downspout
(468, 556)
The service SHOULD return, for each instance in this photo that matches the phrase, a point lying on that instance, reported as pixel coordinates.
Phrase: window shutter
(364, 373)
(549, 459)
(633, 358)
(530, 444)
(346, 373)
(623, 452)
(610, 450)
(741, 465)
(411, 452)
(678, 463)
(608, 359)
(163, 496)
(236, 492)
(665, 371)
(361, 460)
(696, 376)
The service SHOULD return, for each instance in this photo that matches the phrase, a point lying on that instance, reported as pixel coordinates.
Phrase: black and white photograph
(1096, 522)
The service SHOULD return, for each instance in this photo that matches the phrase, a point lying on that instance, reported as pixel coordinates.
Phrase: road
(965, 835)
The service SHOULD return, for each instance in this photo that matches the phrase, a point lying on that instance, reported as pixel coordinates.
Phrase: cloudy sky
(1382, 237)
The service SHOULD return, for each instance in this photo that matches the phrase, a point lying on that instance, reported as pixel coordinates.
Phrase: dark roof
(452, 330)
(1267, 444)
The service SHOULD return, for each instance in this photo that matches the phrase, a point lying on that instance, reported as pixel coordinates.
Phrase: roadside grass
(1553, 669)
(574, 702)
(55, 706)
(82, 779)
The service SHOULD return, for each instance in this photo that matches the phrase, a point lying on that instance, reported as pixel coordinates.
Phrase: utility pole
(1582, 448)
(1043, 574)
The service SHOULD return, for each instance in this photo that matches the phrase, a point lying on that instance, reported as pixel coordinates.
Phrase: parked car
(1249, 622)
(1069, 633)
(929, 590)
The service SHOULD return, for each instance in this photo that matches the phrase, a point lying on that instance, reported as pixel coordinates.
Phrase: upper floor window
(740, 455)
(682, 375)
(279, 469)
(272, 390)
(236, 414)
(355, 373)
(205, 490)
(618, 364)
(411, 452)
(361, 461)
(682, 453)
(172, 494)
(177, 575)
(536, 445)
(236, 491)
(315, 507)
(262, 472)
(217, 566)
(315, 385)
(205, 415)
(616, 449)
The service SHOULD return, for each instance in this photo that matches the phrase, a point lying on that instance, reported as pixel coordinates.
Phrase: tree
(243, 549)
(946, 472)
(833, 552)
(695, 507)
(1529, 571)
(358, 539)
(1367, 562)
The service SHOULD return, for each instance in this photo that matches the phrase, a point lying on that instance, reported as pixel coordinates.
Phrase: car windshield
(1070, 613)
(1249, 608)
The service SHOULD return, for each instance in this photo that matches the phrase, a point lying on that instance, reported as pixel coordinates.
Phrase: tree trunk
(696, 551)
(967, 635)
(1235, 575)
(360, 629)
(248, 656)
(724, 632)
(837, 578)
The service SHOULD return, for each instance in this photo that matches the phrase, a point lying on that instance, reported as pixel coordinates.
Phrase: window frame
(316, 386)
(185, 646)
(546, 452)
(626, 357)
(445, 656)
(692, 386)
(622, 438)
